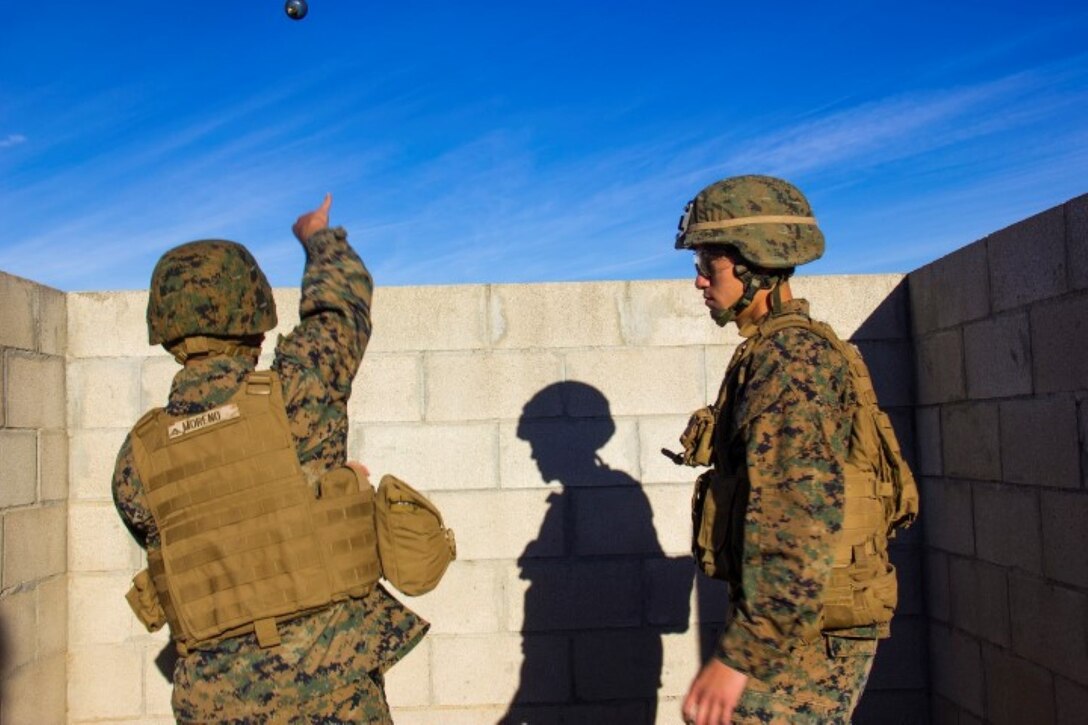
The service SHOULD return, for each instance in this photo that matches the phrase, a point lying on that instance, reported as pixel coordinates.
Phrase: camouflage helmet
(767, 220)
(209, 288)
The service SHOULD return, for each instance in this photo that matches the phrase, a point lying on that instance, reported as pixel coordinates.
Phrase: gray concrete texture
(998, 330)
(978, 355)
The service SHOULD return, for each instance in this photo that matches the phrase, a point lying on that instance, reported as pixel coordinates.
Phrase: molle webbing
(244, 541)
(880, 495)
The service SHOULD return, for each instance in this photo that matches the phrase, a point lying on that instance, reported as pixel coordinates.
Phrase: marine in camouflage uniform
(330, 663)
(782, 433)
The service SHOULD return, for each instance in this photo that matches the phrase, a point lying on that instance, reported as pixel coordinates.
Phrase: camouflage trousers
(360, 702)
(821, 684)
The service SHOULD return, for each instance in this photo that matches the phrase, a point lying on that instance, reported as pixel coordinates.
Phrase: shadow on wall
(601, 591)
(896, 690)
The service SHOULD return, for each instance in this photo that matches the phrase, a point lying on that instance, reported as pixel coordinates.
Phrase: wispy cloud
(12, 139)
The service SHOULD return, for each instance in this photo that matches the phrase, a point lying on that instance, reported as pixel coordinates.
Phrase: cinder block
(623, 664)
(1076, 241)
(1065, 537)
(980, 599)
(938, 371)
(19, 463)
(1017, 691)
(971, 448)
(907, 561)
(105, 682)
(613, 519)
(99, 541)
(950, 291)
(40, 694)
(949, 518)
(408, 683)
(1058, 331)
(35, 391)
(413, 319)
(670, 592)
(901, 659)
(53, 472)
(1072, 702)
(858, 307)
(501, 525)
(468, 601)
(551, 595)
(956, 668)
(98, 612)
(156, 376)
(93, 455)
(566, 451)
(52, 628)
(287, 302)
(387, 388)
(16, 312)
(104, 393)
(671, 506)
(715, 362)
(34, 544)
(664, 313)
(432, 457)
(52, 321)
(1048, 626)
(556, 315)
(18, 623)
(1027, 260)
(889, 707)
(1082, 426)
(1039, 441)
(927, 424)
(938, 586)
(486, 669)
(124, 314)
(448, 715)
(997, 357)
(158, 686)
(652, 381)
(659, 432)
(1007, 528)
(891, 369)
(680, 665)
(485, 386)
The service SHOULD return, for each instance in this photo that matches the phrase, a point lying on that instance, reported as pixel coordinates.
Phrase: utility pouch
(697, 440)
(711, 511)
(145, 602)
(414, 545)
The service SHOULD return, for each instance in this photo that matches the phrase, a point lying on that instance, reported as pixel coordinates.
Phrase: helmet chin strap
(753, 283)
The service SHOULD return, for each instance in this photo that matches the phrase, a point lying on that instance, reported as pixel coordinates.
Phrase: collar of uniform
(795, 306)
(202, 382)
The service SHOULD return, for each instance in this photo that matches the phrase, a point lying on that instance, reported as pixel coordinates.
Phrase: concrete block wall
(534, 416)
(33, 503)
(999, 330)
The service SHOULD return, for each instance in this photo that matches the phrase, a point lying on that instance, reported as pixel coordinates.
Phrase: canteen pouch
(697, 439)
(712, 508)
(145, 602)
(414, 545)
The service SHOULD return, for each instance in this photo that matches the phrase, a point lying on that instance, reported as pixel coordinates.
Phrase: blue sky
(476, 142)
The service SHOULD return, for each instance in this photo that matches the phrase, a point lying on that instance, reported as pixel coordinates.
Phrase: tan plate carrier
(245, 543)
(880, 495)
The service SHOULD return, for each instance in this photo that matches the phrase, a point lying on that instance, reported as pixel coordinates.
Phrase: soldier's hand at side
(714, 694)
(312, 221)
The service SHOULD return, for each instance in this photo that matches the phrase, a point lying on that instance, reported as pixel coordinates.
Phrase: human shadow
(601, 591)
